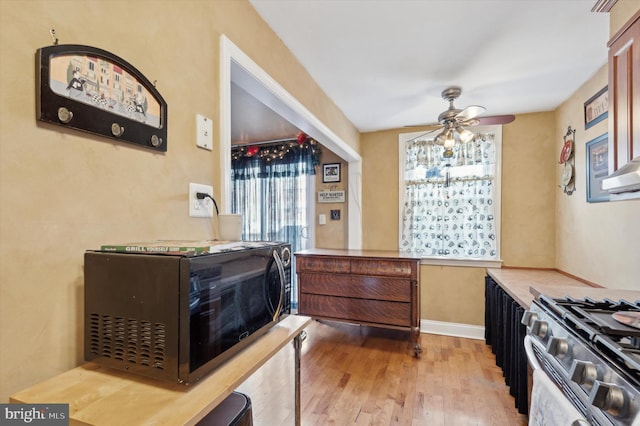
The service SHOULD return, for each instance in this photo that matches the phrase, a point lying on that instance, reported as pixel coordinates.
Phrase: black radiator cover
(505, 334)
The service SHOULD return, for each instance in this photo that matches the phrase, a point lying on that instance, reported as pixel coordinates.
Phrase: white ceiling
(385, 62)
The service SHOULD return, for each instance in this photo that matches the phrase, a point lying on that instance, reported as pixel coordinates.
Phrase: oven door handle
(280, 266)
(531, 356)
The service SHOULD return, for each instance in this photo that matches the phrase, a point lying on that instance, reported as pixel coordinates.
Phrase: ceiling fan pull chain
(447, 176)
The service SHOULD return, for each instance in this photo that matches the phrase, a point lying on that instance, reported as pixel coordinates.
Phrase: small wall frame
(596, 108)
(597, 157)
(95, 91)
(331, 172)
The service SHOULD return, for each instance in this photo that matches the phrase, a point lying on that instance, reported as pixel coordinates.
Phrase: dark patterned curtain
(271, 193)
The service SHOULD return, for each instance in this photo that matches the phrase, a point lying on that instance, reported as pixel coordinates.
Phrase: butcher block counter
(101, 396)
(524, 284)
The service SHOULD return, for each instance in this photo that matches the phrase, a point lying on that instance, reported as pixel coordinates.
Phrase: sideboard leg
(415, 340)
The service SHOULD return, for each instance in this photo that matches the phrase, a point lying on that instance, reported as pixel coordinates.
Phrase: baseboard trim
(452, 329)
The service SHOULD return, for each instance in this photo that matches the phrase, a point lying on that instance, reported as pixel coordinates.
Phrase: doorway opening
(237, 68)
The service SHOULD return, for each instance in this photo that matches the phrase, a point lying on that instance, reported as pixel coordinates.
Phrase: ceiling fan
(453, 121)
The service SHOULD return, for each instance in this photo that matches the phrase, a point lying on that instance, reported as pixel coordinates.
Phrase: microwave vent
(128, 340)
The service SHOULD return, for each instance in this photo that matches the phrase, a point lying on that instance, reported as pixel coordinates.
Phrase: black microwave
(179, 316)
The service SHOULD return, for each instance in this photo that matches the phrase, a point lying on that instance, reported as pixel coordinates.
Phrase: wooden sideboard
(374, 288)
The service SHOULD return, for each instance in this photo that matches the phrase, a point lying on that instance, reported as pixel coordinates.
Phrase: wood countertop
(101, 396)
(524, 284)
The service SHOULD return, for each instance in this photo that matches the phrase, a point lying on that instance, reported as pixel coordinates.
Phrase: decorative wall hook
(92, 90)
(53, 36)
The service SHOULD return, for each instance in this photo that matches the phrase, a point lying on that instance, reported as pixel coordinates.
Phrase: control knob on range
(528, 317)
(583, 372)
(558, 346)
(539, 328)
(609, 397)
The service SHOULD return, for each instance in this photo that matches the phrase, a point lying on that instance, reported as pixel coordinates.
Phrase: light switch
(204, 132)
(322, 219)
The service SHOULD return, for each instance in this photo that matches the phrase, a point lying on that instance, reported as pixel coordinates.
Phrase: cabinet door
(624, 94)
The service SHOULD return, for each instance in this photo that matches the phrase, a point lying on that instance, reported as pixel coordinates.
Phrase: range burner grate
(605, 323)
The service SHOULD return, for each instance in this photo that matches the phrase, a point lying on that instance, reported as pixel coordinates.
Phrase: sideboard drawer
(364, 287)
(323, 264)
(328, 284)
(382, 267)
(352, 309)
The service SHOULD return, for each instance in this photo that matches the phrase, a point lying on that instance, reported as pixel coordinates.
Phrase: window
(450, 207)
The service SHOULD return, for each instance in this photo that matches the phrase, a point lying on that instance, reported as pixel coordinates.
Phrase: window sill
(473, 263)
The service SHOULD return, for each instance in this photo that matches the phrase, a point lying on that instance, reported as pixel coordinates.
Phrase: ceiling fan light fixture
(464, 134)
(446, 138)
(449, 141)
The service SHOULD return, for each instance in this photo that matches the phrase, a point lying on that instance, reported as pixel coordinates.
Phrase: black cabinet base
(505, 334)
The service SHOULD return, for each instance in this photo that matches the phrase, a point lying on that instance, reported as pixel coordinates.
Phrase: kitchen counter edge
(523, 285)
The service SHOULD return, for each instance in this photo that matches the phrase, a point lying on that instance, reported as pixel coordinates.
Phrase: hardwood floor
(367, 376)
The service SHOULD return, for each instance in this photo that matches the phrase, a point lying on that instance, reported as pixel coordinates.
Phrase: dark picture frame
(89, 89)
(331, 172)
(596, 108)
(597, 166)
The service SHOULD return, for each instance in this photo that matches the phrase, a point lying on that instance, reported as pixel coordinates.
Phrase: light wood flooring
(354, 375)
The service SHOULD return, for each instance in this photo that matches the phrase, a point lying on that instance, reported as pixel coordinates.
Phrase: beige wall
(456, 294)
(62, 192)
(598, 242)
(621, 13)
(334, 234)
(529, 163)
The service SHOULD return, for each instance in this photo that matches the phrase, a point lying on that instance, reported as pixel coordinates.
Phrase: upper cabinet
(624, 94)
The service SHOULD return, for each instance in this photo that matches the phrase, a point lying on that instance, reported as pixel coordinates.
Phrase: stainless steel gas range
(591, 356)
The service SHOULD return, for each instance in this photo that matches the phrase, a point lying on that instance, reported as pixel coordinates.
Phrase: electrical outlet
(204, 132)
(200, 208)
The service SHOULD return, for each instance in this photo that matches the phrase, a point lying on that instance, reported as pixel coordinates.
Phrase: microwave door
(279, 281)
(245, 301)
(205, 306)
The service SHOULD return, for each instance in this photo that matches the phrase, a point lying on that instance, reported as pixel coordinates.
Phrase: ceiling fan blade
(472, 122)
(470, 112)
(423, 125)
(429, 132)
(496, 119)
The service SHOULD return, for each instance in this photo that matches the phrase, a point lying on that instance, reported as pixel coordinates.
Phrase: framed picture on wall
(331, 172)
(597, 168)
(89, 89)
(596, 108)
